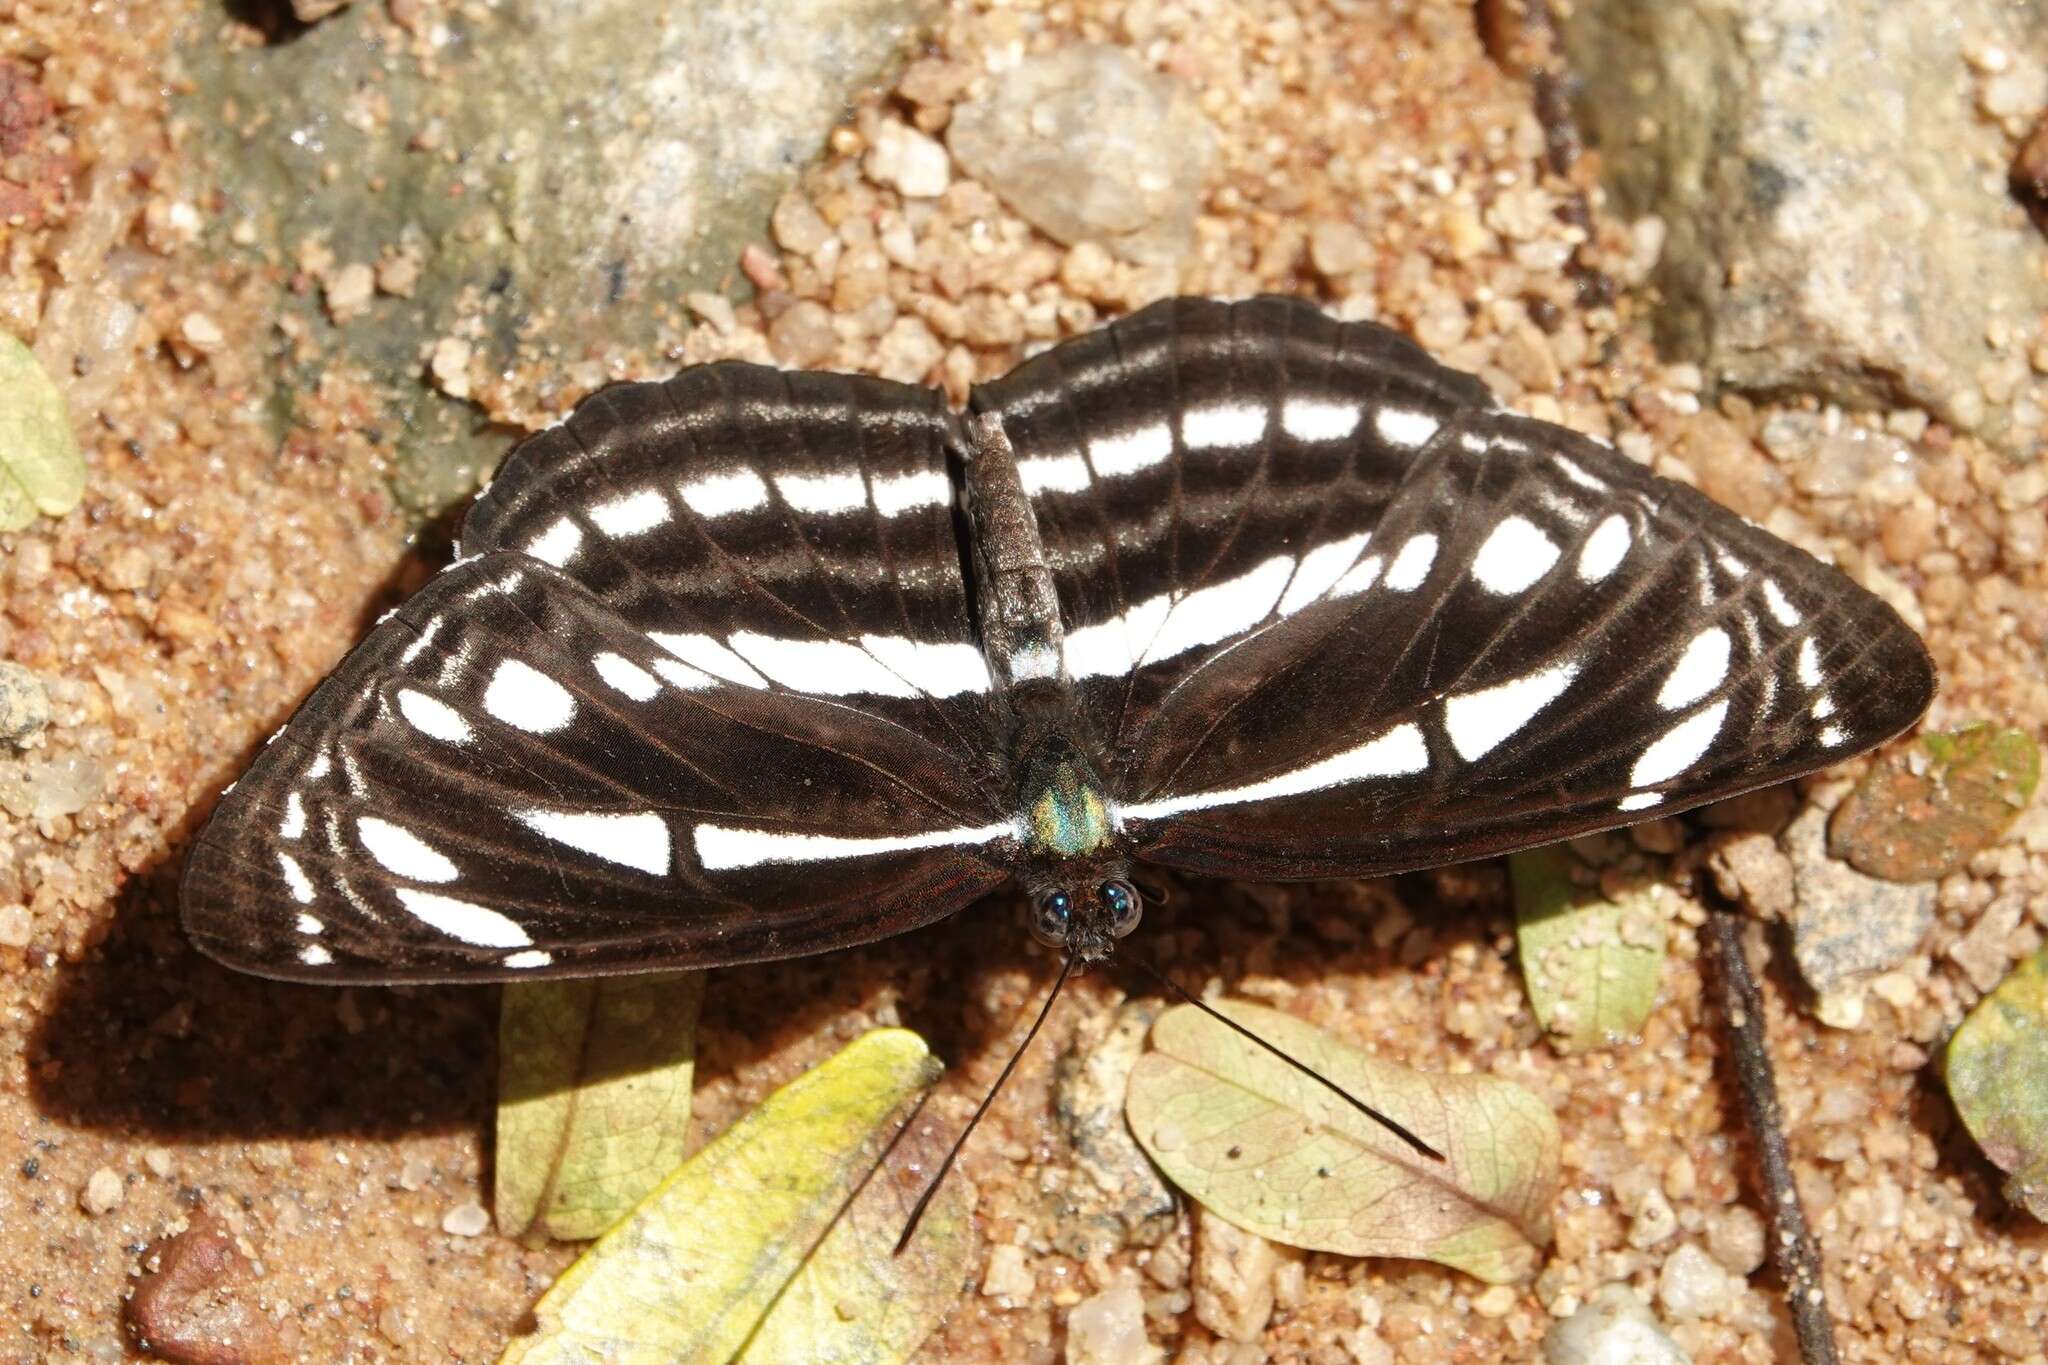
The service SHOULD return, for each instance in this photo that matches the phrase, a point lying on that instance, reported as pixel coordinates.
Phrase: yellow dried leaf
(41, 472)
(739, 1233)
(1277, 1153)
(1590, 964)
(593, 1098)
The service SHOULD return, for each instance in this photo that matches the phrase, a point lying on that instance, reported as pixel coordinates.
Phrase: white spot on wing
(1408, 427)
(708, 655)
(1478, 721)
(1226, 425)
(1573, 471)
(558, 544)
(1809, 662)
(526, 699)
(896, 494)
(632, 514)
(1319, 571)
(1831, 735)
(823, 668)
(1780, 606)
(625, 676)
(1318, 419)
(531, 957)
(1411, 565)
(416, 648)
(1209, 615)
(1128, 452)
(294, 822)
(1053, 474)
(938, 670)
(1640, 801)
(1515, 556)
(308, 925)
(1360, 579)
(1604, 550)
(403, 853)
(721, 495)
(1699, 670)
(637, 840)
(460, 919)
(295, 878)
(1823, 707)
(1678, 748)
(433, 717)
(313, 955)
(720, 848)
(845, 491)
(1399, 752)
(1113, 647)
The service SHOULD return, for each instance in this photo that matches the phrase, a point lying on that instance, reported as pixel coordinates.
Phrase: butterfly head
(1084, 919)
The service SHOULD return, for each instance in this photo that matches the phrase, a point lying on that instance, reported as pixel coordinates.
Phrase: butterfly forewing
(1185, 460)
(506, 778)
(788, 528)
(1384, 625)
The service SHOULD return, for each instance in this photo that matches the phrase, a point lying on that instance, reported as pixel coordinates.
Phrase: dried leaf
(856, 1302)
(1919, 814)
(1997, 1071)
(41, 472)
(1279, 1154)
(593, 1098)
(1590, 964)
(688, 1278)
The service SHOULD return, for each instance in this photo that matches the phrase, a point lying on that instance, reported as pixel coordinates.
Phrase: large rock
(533, 184)
(1836, 208)
(1088, 144)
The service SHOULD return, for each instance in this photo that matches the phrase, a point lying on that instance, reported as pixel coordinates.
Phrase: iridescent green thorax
(1066, 814)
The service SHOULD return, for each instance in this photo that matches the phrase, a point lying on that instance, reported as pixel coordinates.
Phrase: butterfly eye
(1120, 899)
(1052, 918)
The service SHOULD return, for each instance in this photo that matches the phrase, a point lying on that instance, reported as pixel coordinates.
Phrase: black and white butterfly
(752, 664)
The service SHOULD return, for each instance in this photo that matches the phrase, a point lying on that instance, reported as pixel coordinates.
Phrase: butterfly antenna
(924, 1200)
(1397, 1129)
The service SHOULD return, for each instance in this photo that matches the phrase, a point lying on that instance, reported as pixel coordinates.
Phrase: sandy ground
(1370, 156)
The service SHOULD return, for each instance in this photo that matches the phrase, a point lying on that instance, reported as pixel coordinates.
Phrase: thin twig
(1793, 1249)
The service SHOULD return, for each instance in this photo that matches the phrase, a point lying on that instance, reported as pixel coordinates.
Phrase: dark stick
(1397, 1129)
(924, 1200)
(1793, 1249)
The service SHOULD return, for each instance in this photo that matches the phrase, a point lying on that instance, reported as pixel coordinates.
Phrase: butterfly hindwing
(505, 778)
(1381, 625)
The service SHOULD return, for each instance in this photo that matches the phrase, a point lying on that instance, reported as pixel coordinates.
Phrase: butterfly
(750, 664)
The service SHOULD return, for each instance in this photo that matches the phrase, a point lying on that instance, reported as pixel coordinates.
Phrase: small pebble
(1694, 1285)
(803, 335)
(1109, 1329)
(24, 705)
(907, 161)
(1613, 1327)
(466, 1220)
(103, 1192)
(450, 366)
(158, 1160)
(1008, 1276)
(201, 333)
(1735, 1238)
(349, 291)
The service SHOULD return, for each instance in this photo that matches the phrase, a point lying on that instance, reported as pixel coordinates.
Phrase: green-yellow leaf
(855, 1302)
(1277, 1153)
(688, 1277)
(1997, 1070)
(41, 472)
(1590, 964)
(593, 1098)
